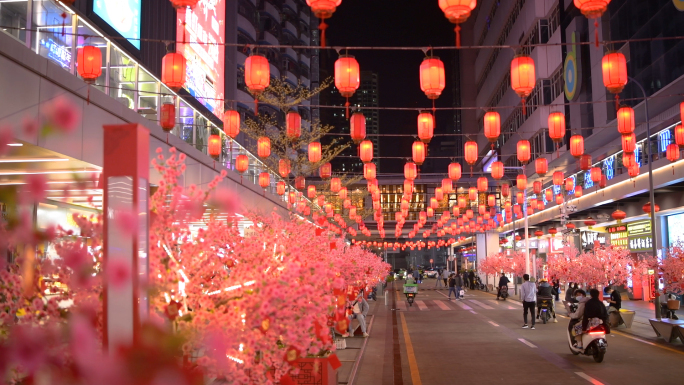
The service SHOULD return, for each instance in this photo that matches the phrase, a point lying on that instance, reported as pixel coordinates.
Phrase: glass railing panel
(53, 36)
(148, 95)
(14, 15)
(122, 76)
(201, 133)
(186, 119)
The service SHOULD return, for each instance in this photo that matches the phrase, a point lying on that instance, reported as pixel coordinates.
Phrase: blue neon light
(574, 183)
(609, 166)
(665, 138)
(556, 189)
(57, 52)
(637, 155)
(588, 183)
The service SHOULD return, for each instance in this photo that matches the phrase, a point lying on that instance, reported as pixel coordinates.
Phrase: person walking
(528, 296)
(458, 283)
(445, 276)
(416, 275)
(452, 286)
(438, 280)
(471, 278)
(466, 284)
(556, 287)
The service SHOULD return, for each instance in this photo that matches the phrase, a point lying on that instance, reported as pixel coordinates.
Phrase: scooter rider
(546, 292)
(503, 282)
(575, 325)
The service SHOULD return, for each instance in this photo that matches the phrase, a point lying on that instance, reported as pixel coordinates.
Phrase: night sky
(388, 23)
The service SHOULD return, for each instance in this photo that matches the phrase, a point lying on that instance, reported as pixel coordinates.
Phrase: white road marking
(495, 324)
(524, 341)
(484, 306)
(473, 311)
(421, 305)
(590, 379)
(442, 305)
(514, 303)
(463, 305)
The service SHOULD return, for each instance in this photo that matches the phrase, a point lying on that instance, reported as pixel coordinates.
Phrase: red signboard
(204, 30)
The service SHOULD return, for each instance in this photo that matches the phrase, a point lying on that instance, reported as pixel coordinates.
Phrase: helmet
(543, 280)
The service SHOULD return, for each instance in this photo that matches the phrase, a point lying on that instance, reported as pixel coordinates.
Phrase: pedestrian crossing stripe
(449, 305)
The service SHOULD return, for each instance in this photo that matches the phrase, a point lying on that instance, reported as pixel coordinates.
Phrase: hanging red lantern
(505, 190)
(323, 9)
(263, 147)
(167, 119)
(491, 200)
(335, 184)
(343, 193)
(430, 212)
(523, 77)
(519, 198)
(472, 193)
(426, 126)
(454, 171)
(293, 125)
(482, 184)
(604, 181)
(538, 233)
(432, 79)
(357, 127)
(366, 151)
(291, 197)
(540, 205)
(629, 143)
(470, 152)
(537, 187)
(369, 170)
(633, 171)
(242, 163)
(614, 66)
(280, 188)
(672, 152)
(628, 159)
(619, 215)
(182, 4)
(625, 120)
(556, 126)
(585, 162)
(408, 187)
(497, 170)
(469, 214)
(347, 77)
(569, 184)
(325, 171)
(590, 222)
(558, 178)
(548, 195)
(264, 179)
(173, 70)
(492, 126)
(433, 203)
(447, 186)
(541, 166)
(679, 135)
(577, 146)
(231, 123)
(439, 194)
(462, 201)
(300, 183)
(418, 150)
(578, 191)
(481, 209)
(257, 76)
(311, 192)
(570, 226)
(595, 174)
(214, 146)
(457, 11)
(283, 168)
(553, 231)
(593, 9)
(521, 181)
(523, 148)
(315, 152)
(559, 199)
(410, 171)
(647, 208)
(89, 63)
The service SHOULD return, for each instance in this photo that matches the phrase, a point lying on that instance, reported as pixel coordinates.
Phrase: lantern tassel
(346, 105)
(458, 36)
(617, 101)
(596, 36)
(322, 27)
(256, 107)
(64, 15)
(524, 107)
(88, 97)
(673, 169)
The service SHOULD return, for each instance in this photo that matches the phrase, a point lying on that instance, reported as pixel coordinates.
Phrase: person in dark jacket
(546, 292)
(503, 281)
(471, 278)
(556, 286)
(615, 298)
(452, 285)
(594, 308)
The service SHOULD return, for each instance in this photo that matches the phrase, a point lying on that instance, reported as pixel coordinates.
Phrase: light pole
(647, 151)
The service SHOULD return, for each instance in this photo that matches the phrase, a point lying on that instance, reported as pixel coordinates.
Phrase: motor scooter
(593, 341)
(503, 292)
(545, 307)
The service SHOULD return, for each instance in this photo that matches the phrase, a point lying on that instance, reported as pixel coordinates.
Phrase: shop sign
(639, 228)
(204, 29)
(556, 245)
(57, 52)
(618, 235)
(123, 16)
(521, 244)
(589, 237)
(543, 245)
(639, 234)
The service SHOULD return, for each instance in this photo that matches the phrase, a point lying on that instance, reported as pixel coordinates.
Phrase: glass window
(201, 134)
(96, 41)
(53, 33)
(187, 121)
(122, 75)
(148, 95)
(14, 15)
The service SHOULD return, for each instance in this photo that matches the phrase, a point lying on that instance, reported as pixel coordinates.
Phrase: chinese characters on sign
(589, 237)
(639, 234)
(618, 235)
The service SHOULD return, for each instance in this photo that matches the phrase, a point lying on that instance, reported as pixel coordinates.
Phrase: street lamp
(651, 192)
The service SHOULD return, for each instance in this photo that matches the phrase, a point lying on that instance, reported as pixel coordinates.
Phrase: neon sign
(665, 138)
(588, 183)
(608, 165)
(57, 52)
(123, 16)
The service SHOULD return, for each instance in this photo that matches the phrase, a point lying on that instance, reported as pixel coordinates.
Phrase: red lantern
(537, 187)
(264, 147)
(167, 120)
(300, 183)
(541, 166)
(523, 77)
(173, 70)
(366, 151)
(264, 179)
(614, 68)
(604, 181)
(472, 193)
(491, 200)
(418, 150)
(558, 178)
(293, 125)
(335, 184)
(570, 226)
(214, 146)
(577, 146)
(589, 222)
(315, 152)
(559, 199)
(672, 152)
(521, 182)
(439, 194)
(462, 201)
(553, 231)
(433, 203)
(454, 171)
(311, 192)
(679, 135)
(325, 171)
(469, 214)
(548, 195)
(497, 170)
(357, 126)
(457, 11)
(369, 170)
(231, 123)
(523, 151)
(595, 174)
(347, 77)
(291, 197)
(447, 186)
(482, 184)
(432, 80)
(538, 233)
(323, 9)
(430, 212)
(482, 210)
(578, 191)
(505, 190)
(557, 126)
(628, 159)
(647, 208)
(426, 126)
(283, 168)
(241, 163)
(619, 215)
(89, 62)
(492, 126)
(629, 143)
(625, 120)
(470, 152)
(633, 171)
(585, 162)
(519, 198)
(569, 184)
(540, 205)
(593, 9)
(410, 171)
(257, 76)
(408, 187)
(280, 188)
(343, 193)
(182, 4)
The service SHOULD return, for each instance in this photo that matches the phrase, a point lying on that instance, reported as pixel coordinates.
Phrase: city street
(479, 339)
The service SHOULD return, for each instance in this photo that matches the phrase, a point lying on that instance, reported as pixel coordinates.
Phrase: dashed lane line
(590, 379)
(493, 323)
(421, 305)
(473, 311)
(528, 343)
(459, 303)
